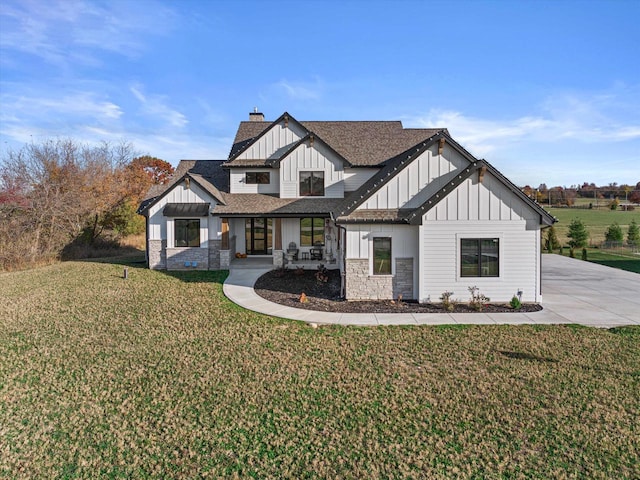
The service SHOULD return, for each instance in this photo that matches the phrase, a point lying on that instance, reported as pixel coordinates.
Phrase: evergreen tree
(578, 234)
(551, 243)
(613, 234)
(633, 234)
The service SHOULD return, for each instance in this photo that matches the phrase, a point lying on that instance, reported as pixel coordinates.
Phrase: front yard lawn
(161, 376)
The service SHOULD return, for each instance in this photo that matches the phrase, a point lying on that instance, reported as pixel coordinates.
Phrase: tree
(55, 191)
(578, 234)
(551, 243)
(633, 234)
(613, 234)
(145, 171)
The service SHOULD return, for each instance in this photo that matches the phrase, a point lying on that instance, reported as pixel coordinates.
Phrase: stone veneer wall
(157, 254)
(278, 259)
(214, 254)
(177, 256)
(403, 279)
(362, 286)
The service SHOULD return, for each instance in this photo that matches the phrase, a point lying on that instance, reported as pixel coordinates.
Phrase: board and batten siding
(489, 200)
(418, 180)
(354, 178)
(160, 227)
(237, 183)
(274, 142)
(307, 158)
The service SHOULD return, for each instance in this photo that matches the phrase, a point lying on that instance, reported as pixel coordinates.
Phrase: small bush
(560, 251)
(584, 254)
(448, 303)
(515, 303)
(477, 300)
(572, 253)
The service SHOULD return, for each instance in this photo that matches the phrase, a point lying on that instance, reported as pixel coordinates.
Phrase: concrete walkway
(574, 291)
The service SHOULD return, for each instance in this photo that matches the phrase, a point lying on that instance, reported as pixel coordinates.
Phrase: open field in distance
(161, 376)
(596, 220)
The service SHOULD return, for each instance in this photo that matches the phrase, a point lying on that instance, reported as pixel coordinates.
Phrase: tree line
(59, 194)
(611, 195)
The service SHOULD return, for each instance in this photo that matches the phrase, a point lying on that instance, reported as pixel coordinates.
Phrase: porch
(266, 262)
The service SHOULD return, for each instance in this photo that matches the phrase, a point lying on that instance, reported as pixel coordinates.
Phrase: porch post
(278, 254)
(225, 234)
(278, 235)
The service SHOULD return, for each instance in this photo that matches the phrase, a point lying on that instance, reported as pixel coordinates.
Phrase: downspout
(343, 270)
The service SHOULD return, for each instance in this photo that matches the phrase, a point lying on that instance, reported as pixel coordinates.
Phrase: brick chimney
(256, 116)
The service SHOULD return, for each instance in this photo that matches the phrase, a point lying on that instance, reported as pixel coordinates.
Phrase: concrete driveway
(573, 291)
(588, 293)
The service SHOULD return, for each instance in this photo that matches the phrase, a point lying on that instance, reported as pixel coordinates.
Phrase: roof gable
(245, 144)
(414, 215)
(361, 143)
(207, 174)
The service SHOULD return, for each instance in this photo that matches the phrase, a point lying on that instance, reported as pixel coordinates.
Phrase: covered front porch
(279, 242)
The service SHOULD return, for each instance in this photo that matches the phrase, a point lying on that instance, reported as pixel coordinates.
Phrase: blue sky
(546, 91)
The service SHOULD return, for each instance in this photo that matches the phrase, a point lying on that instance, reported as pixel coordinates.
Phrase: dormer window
(312, 184)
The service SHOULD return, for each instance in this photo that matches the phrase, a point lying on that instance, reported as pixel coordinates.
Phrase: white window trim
(475, 236)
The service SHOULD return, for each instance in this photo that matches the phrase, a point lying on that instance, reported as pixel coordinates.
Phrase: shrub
(584, 254)
(515, 303)
(613, 234)
(572, 253)
(633, 234)
(560, 251)
(614, 204)
(477, 300)
(578, 234)
(448, 303)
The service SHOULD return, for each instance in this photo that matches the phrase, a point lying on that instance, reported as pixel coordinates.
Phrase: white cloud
(155, 106)
(561, 118)
(300, 90)
(65, 32)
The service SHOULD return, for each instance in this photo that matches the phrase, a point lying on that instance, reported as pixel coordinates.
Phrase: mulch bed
(285, 288)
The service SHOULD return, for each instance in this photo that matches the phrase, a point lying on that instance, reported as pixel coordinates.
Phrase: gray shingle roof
(258, 204)
(209, 174)
(362, 143)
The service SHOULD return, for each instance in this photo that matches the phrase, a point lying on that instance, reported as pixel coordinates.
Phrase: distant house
(399, 211)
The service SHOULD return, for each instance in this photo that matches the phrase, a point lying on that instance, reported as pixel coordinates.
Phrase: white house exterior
(399, 211)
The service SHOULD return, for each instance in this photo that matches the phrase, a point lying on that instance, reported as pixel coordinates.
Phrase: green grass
(596, 220)
(623, 261)
(159, 376)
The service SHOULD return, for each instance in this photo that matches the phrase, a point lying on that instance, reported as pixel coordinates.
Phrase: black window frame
(483, 268)
(313, 174)
(181, 233)
(316, 231)
(257, 178)
(378, 271)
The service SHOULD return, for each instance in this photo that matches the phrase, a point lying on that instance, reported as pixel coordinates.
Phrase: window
(311, 232)
(382, 256)
(187, 233)
(312, 184)
(257, 178)
(480, 257)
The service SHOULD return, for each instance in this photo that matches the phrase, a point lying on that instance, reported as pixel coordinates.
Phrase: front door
(256, 233)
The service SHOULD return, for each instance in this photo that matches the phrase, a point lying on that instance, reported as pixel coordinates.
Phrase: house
(400, 211)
